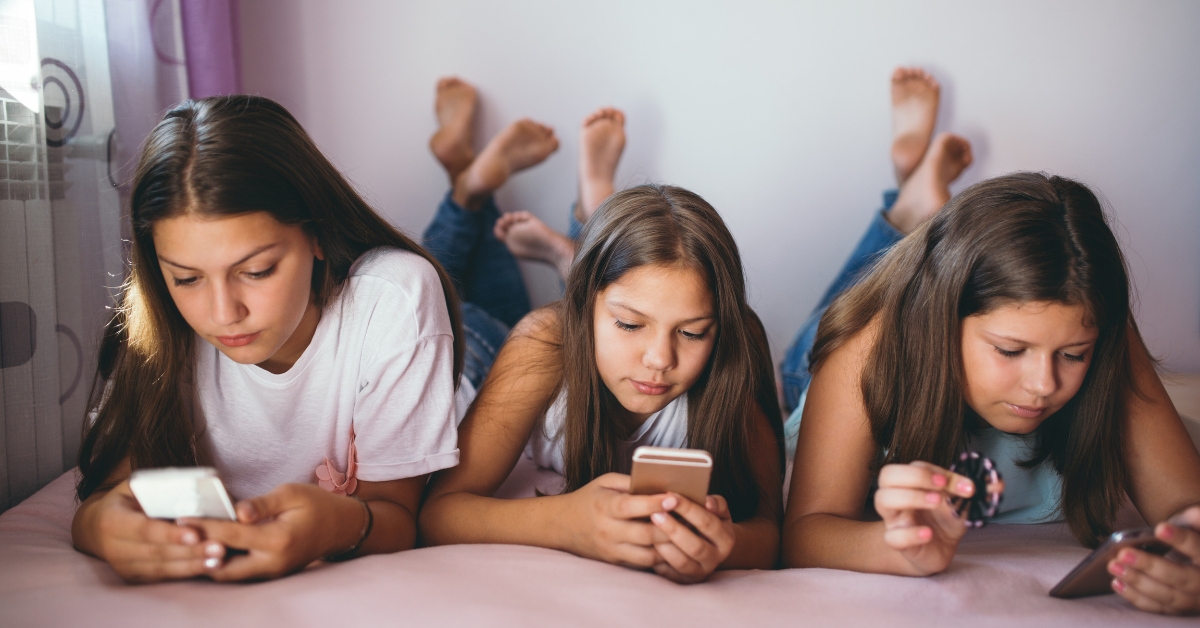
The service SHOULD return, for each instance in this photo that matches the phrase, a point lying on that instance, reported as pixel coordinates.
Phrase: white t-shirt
(381, 362)
(665, 428)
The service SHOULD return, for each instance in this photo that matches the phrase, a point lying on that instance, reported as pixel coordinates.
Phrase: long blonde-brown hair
(649, 225)
(1025, 237)
(217, 156)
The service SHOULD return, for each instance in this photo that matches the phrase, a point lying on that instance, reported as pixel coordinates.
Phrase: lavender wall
(776, 113)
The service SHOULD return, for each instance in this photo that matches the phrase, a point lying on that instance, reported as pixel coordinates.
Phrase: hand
(691, 554)
(283, 531)
(138, 548)
(609, 524)
(1157, 584)
(914, 502)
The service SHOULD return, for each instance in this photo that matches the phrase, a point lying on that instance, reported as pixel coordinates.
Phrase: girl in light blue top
(1002, 325)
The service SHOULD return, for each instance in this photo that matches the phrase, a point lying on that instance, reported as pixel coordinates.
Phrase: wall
(777, 113)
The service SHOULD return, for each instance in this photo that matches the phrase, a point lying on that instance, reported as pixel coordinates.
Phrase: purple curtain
(210, 36)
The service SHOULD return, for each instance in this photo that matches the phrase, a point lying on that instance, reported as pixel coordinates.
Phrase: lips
(1026, 412)
(238, 341)
(650, 388)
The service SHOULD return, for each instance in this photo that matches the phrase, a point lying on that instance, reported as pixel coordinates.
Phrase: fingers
(908, 499)
(613, 481)
(1189, 517)
(636, 506)
(704, 521)
(639, 556)
(922, 475)
(1156, 581)
(265, 506)
(231, 533)
(154, 571)
(1184, 539)
(908, 537)
(684, 567)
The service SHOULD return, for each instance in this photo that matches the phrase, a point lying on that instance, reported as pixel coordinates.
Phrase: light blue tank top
(1030, 495)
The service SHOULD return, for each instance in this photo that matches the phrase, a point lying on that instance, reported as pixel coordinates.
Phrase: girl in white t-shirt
(275, 327)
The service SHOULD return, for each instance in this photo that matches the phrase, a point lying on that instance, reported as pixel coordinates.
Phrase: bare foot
(914, 111)
(529, 238)
(929, 186)
(455, 108)
(522, 144)
(601, 141)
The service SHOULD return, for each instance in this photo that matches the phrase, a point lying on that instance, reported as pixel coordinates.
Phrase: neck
(291, 350)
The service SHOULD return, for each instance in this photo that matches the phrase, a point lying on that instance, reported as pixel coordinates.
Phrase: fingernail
(212, 563)
(1118, 586)
(1165, 531)
(670, 502)
(214, 549)
(939, 480)
(966, 487)
(248, 513)
(1116, 569)
(933, 498)
(1128, 558)
(658, 517)
(925, 534)
(191, 538)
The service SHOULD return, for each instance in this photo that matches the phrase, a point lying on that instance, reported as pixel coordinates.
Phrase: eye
(692, 336)
(1073, 358)
(186, 281)
(623, 326)
(262, 274)
(1008, 354)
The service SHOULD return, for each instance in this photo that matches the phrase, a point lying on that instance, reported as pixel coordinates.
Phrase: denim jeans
(880, 237)
(486, 276)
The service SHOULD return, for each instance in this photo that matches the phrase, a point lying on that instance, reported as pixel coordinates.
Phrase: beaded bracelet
(347, 554)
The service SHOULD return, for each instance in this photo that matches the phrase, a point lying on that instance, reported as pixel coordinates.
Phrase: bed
(1000, 577)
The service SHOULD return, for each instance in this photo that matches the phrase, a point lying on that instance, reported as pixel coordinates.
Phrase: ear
(317, 251)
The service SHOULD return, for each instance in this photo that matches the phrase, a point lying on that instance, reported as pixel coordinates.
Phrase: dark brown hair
(217, 156)
(648, 225)
(1025, 237)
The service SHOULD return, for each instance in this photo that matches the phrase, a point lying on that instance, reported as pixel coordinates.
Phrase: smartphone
(661, 469)
(174, 492)
(1091, 576)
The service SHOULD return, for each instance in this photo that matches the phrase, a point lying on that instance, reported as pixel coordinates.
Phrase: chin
(1014, 425)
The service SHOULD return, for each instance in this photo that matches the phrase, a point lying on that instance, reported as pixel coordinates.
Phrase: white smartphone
(661, 469)
(1091, 577)
(174, 492)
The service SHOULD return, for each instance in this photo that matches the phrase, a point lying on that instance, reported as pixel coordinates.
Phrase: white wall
(775, 112)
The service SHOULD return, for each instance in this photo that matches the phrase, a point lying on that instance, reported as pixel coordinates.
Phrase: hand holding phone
(662, 469)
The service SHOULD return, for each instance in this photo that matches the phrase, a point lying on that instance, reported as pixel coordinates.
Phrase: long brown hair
(217, 156)
(647, 225)
(1024, 237)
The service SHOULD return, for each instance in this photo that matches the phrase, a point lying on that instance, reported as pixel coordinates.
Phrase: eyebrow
(637, 313)
(252, 254)
(1025, 342)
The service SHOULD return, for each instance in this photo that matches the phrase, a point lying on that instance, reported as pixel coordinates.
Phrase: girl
(653, 343)
(273, 326)
(1002, 325)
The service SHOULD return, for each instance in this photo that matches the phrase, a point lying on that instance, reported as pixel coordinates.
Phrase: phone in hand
(661, 469)
(1091, 577)
(175, 492)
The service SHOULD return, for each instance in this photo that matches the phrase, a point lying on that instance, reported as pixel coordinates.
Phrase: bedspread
(1000, 577)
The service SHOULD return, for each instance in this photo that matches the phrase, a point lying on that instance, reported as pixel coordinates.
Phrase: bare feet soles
(601, 141)
(929, 186)
(455, 108)
(914, 111)
(522, 144)
(530, 238)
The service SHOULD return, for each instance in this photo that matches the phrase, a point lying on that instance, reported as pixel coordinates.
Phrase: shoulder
(542, 324)
(396, 291)
(854, 352)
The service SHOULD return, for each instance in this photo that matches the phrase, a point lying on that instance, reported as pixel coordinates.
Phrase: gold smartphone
(661, 469)
(1091, 577)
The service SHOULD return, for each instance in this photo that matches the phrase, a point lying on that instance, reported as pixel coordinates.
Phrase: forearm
(394, 529)
(453, 518)
(83, 528)
(756, 545)
(822, 540)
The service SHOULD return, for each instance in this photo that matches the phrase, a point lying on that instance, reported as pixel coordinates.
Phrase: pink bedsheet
(1000, 578)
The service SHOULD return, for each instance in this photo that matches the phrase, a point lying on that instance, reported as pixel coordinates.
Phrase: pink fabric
(1000, 578)
(336, 482)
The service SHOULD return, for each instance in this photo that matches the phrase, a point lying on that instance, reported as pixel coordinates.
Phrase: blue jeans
(880, 237)
(486, 276)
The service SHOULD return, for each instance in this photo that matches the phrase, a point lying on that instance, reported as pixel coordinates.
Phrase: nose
(659, 355)
(227, 307)
(1041, 378)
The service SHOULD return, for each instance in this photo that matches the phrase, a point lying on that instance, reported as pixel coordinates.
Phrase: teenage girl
(652, 344)
(1002, 325)
(275, 327)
